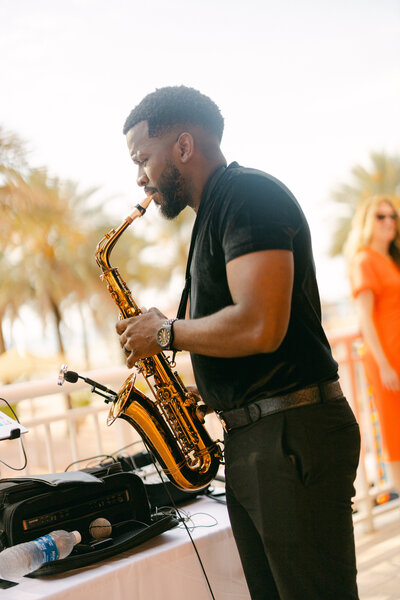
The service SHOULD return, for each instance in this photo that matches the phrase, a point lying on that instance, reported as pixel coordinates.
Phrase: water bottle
(24, 558)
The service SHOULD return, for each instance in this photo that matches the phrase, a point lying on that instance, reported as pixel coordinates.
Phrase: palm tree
(13, 154)
(51, 233)
(52, 237)
(382, 178)
(13, 163)
(13, 293)
(48, 236)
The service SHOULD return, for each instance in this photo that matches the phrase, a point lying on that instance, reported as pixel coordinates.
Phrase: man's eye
(140, 163)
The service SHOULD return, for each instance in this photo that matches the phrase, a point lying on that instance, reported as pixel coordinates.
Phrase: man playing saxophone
(260, 357)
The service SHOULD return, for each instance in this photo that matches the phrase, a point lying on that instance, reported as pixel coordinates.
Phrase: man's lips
(155, 195)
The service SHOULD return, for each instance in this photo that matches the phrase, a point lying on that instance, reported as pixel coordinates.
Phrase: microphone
(72, 377)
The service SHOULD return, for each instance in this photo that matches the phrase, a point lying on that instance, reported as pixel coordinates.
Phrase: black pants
(289, 483)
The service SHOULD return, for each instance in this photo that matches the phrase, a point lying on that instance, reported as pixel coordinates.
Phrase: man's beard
(175, 196)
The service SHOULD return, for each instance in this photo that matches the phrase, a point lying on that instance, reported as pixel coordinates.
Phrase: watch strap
(169, 323)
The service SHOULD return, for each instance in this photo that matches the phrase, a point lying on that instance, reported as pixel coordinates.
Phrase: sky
(308, 89)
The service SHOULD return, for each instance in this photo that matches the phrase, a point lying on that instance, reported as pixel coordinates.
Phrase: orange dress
(375, 272)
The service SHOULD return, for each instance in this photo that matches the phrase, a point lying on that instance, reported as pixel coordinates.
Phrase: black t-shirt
(244, 210)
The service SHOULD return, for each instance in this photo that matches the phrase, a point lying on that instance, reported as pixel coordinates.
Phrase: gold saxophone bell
(117, 407)
(168, 424)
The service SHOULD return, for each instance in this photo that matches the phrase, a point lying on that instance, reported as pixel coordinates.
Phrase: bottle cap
(78, 537)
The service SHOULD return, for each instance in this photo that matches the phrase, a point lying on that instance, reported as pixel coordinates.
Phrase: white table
(164, 568)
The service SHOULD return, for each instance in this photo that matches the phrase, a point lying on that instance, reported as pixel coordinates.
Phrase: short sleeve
(365, 275)
(261, 216)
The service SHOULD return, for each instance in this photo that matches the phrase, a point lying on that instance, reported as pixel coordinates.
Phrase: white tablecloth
(163, 568)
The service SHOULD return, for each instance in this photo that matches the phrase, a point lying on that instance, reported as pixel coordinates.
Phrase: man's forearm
(227, 333)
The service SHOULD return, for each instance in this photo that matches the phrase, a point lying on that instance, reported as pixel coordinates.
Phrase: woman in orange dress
(373, 249)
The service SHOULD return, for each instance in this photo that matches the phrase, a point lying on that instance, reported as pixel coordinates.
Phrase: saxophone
(168, 424)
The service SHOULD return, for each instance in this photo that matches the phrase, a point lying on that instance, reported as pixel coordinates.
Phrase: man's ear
(184, 147)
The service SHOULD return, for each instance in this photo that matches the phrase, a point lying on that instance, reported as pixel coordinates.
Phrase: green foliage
(13, 154)
(49, 231)
(383, 177)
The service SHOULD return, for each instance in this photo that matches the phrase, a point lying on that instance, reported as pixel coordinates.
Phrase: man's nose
(142, 178)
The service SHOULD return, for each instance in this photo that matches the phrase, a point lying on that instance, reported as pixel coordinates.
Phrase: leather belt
(316, 394)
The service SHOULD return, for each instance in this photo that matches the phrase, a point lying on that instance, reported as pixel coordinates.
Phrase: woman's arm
(365, 307)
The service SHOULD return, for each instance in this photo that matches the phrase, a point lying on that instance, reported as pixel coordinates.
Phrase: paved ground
(378, 558)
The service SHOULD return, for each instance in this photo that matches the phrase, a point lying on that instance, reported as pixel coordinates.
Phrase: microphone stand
(97, 388)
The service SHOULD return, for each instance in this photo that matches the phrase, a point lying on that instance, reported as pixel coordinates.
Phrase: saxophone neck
(107, 243)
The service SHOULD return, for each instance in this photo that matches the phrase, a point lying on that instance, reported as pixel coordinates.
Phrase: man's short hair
(170, 106)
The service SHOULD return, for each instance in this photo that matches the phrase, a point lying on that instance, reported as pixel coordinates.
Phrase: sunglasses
(383, 217)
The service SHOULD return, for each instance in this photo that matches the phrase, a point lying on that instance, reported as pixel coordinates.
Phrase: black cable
(171, 499)
(215, 497)
(177, 511)
(128, 446)
(189, 518)
(180, 514)
(180, 518)
(90, 458)
(15, 437)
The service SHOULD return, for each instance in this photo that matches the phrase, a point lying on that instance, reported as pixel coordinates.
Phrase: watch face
(164, 337)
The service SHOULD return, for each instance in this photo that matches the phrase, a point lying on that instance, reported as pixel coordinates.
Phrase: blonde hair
(361, 228)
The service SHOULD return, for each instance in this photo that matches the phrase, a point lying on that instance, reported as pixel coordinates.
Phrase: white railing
(58, 437)
(373, 484)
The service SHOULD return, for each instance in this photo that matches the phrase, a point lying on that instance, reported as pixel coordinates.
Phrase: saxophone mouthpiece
(140, 209)
(145, 203)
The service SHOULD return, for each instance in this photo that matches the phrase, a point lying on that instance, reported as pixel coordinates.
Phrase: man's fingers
(122, 325)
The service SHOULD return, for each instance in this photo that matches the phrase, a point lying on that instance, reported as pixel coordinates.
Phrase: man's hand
(201, 409)
(138, 335)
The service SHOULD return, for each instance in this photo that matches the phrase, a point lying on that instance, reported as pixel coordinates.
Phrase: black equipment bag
(160, 491)
(34, 506)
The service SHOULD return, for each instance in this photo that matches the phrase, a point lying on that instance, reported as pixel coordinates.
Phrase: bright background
(308, 89)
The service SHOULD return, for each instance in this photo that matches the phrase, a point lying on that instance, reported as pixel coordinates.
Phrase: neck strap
(210, 186)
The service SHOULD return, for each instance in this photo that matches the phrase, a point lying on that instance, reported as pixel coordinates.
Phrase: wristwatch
(165, 335)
